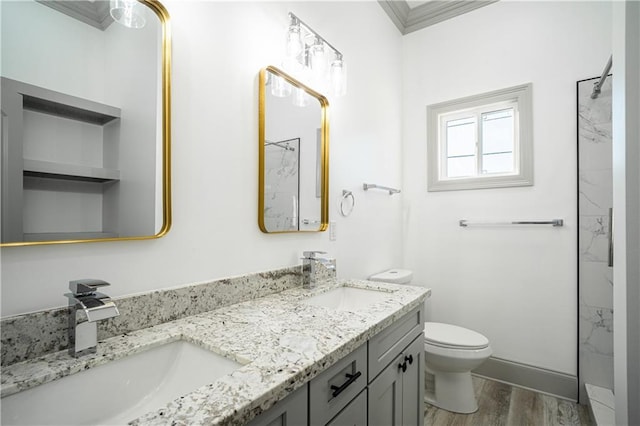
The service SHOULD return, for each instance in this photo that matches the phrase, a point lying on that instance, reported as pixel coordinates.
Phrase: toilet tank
(396, 276)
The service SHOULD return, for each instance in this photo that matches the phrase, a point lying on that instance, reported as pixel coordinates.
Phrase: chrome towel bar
(368, 186)
(553, 222)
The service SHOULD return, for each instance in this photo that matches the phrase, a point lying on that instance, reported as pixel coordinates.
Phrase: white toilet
(451, 352)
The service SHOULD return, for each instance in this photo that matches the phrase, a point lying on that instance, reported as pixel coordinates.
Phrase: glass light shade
(294, 41)
(338, 77)
(317, 59)
(280, 87)
(300, 97)
(318, 66)
(129, 13)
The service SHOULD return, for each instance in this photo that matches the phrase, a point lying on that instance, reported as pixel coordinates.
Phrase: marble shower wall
(282, 183)
(595, 197)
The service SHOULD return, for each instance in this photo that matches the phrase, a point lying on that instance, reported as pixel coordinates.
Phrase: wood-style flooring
(502, 404)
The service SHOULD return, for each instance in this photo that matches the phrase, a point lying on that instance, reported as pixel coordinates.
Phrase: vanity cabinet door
(354, 414)
(385, 396)
(396, 396)
(413, 384)
(291, 411)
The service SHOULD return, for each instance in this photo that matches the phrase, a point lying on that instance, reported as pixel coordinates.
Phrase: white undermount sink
(118, 391)
(348, 298)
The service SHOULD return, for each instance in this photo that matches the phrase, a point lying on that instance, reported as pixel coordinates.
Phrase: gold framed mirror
(293, 146)
(86, 122)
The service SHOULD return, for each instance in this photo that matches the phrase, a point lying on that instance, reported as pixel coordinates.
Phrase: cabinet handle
(337, 390)
(402, 366)
(409, 358)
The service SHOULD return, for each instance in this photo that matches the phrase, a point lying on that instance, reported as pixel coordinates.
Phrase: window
(482, 141)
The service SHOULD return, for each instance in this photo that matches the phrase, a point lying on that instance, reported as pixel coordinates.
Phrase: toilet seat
(453, 337)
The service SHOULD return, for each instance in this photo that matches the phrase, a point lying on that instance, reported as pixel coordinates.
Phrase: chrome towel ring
(347, 203)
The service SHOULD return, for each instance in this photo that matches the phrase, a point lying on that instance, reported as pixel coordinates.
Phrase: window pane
(461, 138)
(481, 141)
(461, 166)
(497, 131)
(497, 163)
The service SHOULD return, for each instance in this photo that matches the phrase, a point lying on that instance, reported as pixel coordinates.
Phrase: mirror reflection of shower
(282, 184)
(293, 161)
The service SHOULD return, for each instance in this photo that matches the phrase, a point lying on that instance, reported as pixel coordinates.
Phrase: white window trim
(523, 175)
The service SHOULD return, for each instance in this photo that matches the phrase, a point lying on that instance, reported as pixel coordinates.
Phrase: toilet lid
(452, 336)
(396, 276)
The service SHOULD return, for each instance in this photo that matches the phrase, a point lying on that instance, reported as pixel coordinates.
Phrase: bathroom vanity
(299, 356)
(380, 383)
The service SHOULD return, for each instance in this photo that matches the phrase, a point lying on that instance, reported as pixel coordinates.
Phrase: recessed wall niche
(69, 156)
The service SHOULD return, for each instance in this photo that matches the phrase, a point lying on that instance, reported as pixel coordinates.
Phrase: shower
(597, 87)
(282, 184)
(595, 245)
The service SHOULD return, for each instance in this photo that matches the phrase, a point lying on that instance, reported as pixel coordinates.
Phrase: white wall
(42, 32)
(218, 49)
(515, 285)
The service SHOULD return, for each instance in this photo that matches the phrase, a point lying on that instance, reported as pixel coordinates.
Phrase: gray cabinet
(386, 345)
(396, 395)
(380, 383)
(333, 389)
(413, 383)
(396, 372)
(291, 411)
(60, 168)
(385, 397)
(354, 414)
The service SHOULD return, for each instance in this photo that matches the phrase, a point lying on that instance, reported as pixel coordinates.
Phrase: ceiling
(407, 15)
(412, 15)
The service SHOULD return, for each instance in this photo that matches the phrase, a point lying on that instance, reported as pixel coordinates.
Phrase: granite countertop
(281, 343)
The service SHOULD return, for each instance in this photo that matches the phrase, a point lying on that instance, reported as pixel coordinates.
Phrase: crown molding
(408, 20)
(94, 13)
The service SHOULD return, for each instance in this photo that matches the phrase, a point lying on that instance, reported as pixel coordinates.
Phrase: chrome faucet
(86, 307)
(312, 265)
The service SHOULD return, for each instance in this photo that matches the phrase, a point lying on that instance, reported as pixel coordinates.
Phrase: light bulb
(338, 77)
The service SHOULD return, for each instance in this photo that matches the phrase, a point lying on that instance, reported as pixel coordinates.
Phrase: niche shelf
(58, 186)
(55, 103)
(62, 171)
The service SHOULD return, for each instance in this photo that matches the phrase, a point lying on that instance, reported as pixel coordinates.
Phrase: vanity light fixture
(129, 13)
(312, 59)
